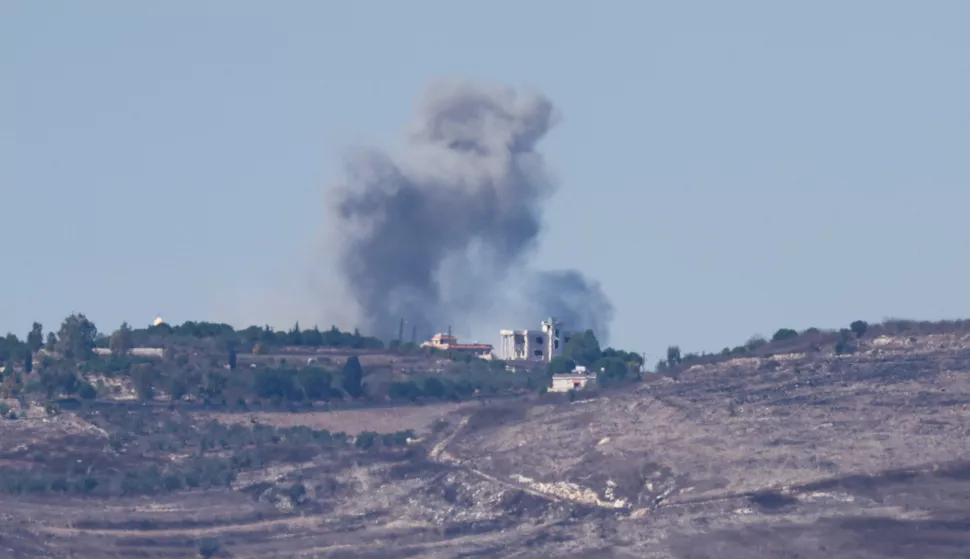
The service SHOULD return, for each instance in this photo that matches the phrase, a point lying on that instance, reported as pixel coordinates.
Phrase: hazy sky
(726, 168)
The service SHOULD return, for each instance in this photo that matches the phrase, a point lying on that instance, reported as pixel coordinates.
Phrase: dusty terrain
(807, 456)
(353, 421)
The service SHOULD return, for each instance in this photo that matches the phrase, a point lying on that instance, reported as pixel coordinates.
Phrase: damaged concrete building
(534, 345)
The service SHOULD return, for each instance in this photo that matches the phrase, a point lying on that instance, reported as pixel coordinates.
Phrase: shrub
(560, 365)
(859, 327)
(673, 355)
(755, 342)
(845, 344)
(86, 391)
(296, 493)
(365, 440)
(433, 388)
(784, 334)
(208, 547)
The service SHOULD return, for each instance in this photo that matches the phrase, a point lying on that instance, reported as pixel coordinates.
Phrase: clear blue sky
(727, 168)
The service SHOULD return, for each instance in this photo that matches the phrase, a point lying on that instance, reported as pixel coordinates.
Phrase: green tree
(51, 344)
(86, 391)
(177, 385)
(859, 327)
(610, 371)
(143, 378)
(296, 493)
(121, 341)
(313, 337)
(365, 440)
(11, 350)
(315, 383)
(209, 547)
(28, 361)
(12, 385)
(35, 338)
(57, 379)
(784, 334)
(673, 356)
(232, 359)
(353, 377)
(845, 344)
(560, 365)
(583, 348)
(295, 336)
(213, 386)
(433, 388)
(755, 342)
(75, 339)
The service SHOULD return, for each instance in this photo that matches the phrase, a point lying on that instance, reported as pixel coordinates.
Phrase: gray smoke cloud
(441, 231)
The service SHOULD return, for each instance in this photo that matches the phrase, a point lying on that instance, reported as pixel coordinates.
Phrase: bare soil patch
(419, 419)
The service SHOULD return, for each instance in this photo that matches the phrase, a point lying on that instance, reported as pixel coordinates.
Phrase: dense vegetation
(840, 341)
(199, 362)
(611, 366)
(78, 337)
(140, 438)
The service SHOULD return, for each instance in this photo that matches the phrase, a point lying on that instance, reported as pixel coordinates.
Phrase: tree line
(611, 366)
(78, 337)
(841, 341)
(68, 365)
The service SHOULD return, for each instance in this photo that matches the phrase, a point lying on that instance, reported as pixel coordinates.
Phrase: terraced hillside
(799, 455)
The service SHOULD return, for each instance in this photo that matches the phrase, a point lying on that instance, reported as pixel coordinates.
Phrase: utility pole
(400, 333)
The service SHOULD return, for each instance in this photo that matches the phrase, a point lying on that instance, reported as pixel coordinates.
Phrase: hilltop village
(174, 440)
(260, 366)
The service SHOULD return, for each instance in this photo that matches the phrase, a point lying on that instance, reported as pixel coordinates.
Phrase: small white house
(565, 383)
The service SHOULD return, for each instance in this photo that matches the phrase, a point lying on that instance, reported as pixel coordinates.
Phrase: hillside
(807, 454)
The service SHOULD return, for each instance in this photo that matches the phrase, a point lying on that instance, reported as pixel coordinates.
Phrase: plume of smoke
(572, 298)
(440, 232)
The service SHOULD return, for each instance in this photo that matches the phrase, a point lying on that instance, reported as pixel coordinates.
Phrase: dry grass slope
(807, 455)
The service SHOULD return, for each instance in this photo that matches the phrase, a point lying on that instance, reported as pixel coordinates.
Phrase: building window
(555, 344)
(538, 353)
(538, 339)
(566, 340)
(557, 332)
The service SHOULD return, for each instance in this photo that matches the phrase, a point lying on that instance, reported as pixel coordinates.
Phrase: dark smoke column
(433, 232)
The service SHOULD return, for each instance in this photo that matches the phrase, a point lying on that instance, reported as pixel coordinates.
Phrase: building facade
(565, 383)
(534, 345)
(447, 342)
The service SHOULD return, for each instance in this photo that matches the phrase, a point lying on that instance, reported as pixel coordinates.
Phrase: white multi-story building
(534, 345)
